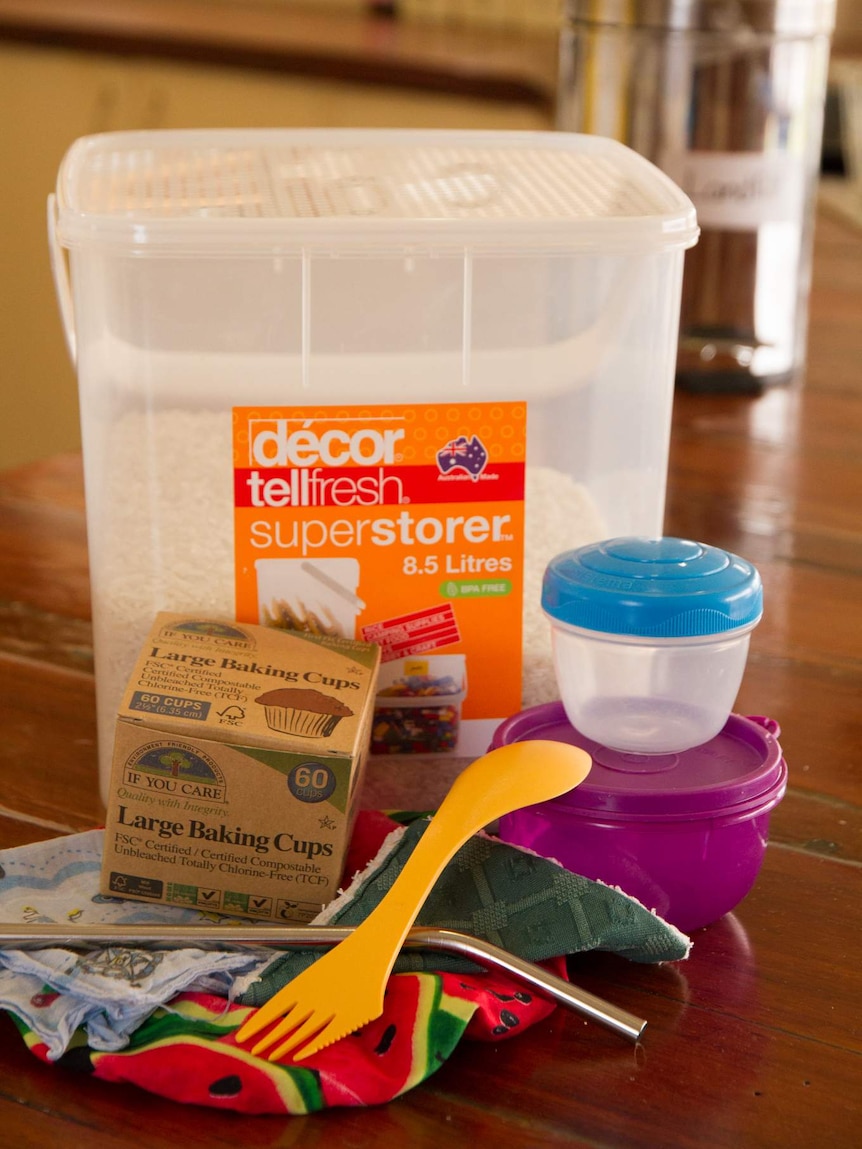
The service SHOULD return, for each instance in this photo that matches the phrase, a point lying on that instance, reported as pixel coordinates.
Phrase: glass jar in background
(727, 97)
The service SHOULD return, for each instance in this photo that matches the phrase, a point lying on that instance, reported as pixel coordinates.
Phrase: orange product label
(402, 525)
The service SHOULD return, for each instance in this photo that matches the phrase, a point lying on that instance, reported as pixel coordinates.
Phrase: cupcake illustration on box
(418, 705)
(303, 712)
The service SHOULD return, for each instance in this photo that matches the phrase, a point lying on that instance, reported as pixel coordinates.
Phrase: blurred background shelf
(495, 57)
(67, 70)
(70, 69)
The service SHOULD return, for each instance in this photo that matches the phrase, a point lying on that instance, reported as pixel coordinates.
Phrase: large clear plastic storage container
(270, 321)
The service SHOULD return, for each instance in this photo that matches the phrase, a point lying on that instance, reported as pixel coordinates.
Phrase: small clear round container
(650, 639)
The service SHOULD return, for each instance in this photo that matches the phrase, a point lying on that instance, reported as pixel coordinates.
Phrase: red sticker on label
(414, 633)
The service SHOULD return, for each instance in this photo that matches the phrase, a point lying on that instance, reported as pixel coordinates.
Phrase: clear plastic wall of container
(727, 97)
(492, 275)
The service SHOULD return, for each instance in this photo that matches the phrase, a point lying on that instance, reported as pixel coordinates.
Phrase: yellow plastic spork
(344, 989)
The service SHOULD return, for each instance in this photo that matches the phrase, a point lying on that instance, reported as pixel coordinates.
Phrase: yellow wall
(49, 97)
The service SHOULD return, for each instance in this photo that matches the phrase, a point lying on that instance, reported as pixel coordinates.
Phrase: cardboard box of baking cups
(238, 758)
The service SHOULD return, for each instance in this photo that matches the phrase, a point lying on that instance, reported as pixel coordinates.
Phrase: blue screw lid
(659, 588)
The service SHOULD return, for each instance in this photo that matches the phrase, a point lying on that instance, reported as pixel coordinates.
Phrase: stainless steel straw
(38, 935)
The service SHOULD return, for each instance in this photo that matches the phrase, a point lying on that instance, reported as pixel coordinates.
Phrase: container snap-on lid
(742, 767)
(659, 588)
(193, 192)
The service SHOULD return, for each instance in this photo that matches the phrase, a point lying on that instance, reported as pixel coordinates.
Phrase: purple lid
(740, 766)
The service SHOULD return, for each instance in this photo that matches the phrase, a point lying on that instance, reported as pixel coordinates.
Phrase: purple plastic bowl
(683, 833)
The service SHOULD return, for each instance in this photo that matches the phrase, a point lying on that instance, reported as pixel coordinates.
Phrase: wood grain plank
(48, 749)
(818, 710)
(819, 825)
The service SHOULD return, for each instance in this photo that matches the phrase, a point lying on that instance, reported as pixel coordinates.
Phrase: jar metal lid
(729, 18)
(658, 588)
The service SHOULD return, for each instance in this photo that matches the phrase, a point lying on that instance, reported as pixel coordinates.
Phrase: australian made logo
(212, 632)
(175, 769)
(468, 457)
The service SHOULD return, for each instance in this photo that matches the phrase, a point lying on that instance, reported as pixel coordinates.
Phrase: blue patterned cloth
(109, 991)
(528, 905)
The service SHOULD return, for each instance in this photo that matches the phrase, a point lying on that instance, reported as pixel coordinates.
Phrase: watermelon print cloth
(186, 1051)
(165, 1020)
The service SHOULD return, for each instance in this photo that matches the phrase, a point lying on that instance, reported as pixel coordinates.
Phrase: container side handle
(60, 270)
(306, 320)
(467, 321)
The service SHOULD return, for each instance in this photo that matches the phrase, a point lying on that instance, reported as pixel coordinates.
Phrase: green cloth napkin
(525, 904)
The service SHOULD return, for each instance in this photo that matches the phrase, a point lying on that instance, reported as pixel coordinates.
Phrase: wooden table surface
(756, 1040)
